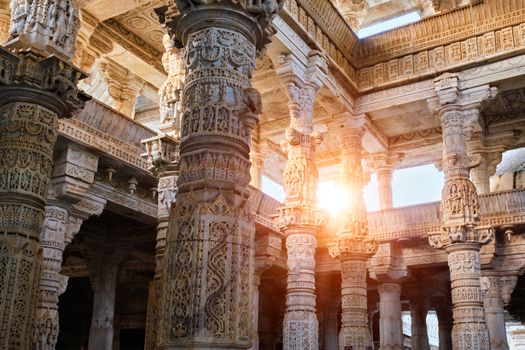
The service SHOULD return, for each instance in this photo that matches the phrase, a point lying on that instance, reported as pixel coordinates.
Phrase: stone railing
(101, 128)
(262, 207)
(415, 220)
(107, 120)
(497, 209)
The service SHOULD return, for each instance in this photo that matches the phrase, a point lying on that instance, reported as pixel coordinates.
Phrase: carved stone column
(383, 169)
(444, 315)
(390, 324)
(388, 269)
(208, 275)
(418, 314)
(352, 246)
(73, 172)
(461, 236)
(162, 154)
(299, 219)
(35, 90)
(494, 312)
(103, 274)
(256, 170)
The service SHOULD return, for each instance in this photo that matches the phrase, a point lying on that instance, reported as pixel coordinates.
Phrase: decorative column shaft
(162, 154)
(461, 236)
(54, 231)
(104, 282)
(256, 170)
(299, 219)
(209, 258)
(390, 323)
(418, 314)
(494, 312)
(444, 315)
(35, 89)
(352, 246)
(384, 182)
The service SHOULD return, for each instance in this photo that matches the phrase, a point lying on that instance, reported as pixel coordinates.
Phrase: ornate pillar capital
(162, 154)
(251, 19)
(450, 95)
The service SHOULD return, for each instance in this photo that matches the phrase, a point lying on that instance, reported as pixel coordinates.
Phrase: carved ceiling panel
(507, 106)
(399, 120)
(143, 22)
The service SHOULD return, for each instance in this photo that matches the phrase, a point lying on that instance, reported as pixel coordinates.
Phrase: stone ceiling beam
(105, 9)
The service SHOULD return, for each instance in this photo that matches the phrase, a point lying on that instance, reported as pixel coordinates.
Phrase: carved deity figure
(46, 25)
(171, 90)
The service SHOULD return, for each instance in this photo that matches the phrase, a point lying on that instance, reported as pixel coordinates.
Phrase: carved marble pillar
(390, 324)
(103, 275)
(5, 18)
(162, 154)
(73, 172)
(329, 301)
(461, 236)
(352, 246)
(383, 167)
(418, 314)
(35, 90)
(256, 169)
(494, 312)
(209, 258)
(299, 219)
(480, 175)
(444, 315)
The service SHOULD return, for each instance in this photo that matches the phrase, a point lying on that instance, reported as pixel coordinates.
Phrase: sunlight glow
(389, 24)
(332, 197)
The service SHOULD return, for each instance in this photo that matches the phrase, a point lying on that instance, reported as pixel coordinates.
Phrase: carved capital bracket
(73, 173)
(348, 247)
(387, 265)
(448, 91)
(162, 154)
(297, 216)
(49, 82)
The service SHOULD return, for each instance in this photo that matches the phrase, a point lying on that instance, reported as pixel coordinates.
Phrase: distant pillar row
(352, 246)
(461, 237)
(35, 91)
(299, 219)
(207, 283)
